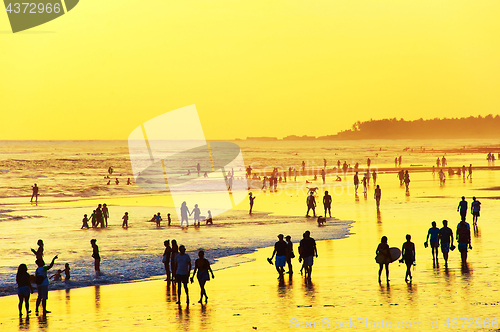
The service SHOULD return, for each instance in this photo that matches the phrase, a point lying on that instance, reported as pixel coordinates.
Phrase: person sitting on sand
(338, 179)
(408, 253)
(183, 262)
(383, 258)
(39, 252)
(201, 269)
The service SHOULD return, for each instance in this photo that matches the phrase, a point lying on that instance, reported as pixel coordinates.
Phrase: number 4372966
(471, 323)
(33, 8)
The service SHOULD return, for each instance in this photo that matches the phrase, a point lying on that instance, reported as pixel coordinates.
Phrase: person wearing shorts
(445, 237)
(433, 233)
(182, 274)
(307, 252)
(281, 252)
(464, 240)
(43, 284)
(475, 207)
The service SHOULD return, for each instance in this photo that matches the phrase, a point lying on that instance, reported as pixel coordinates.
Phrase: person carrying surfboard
(383, 258)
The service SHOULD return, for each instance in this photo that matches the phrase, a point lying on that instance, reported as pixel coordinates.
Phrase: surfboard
(395, 254)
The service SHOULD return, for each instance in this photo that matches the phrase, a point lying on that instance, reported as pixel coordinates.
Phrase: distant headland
(470, 127)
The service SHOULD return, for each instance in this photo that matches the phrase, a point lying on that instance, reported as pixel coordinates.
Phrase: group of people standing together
(178, 266)
(98, 218)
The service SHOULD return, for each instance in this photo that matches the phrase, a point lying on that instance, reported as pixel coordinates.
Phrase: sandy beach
(344, 283)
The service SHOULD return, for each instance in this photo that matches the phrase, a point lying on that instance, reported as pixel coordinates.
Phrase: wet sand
(344, 283)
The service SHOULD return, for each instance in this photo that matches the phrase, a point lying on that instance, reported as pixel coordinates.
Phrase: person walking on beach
(443, 161)
(42, 282)
(39, 252)
(201, 269)
(356, 183)
(198, 168)
(125, 220)
(344, 168)
(400, 160)
(251, 199)
(281, 252)
(401, 177)
(327, 203)
(445, 237)
(408, 253)
(374, 176)
(166, 258)
(173, 253)
(85, 222)
(441, 177)
(407, 180)
(303, 166)
(396, 162)
(311, 204)
(307, 252)
(96, 257)
(291, 255)
(383, 258)
(24, 288)
(183, 262)
(462, 208)
(323, 174)
(34, 193)
(184, 214)
(433, 233)
(364, 184)
(464, 240)
(105, 215)
(438, 162)
(378, 195)
(463, 171)
(475, 208)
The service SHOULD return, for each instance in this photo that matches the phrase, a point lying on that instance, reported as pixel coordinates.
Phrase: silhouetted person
(291, 255)
(327, 203)
(201, 269)
(408, 253)
(158, 219)
(128, 181)
(407, 180)
(401, 177)
(378, 195)
(463, 239)
(85, 222)
(24, 288)
(182, 273)
(251, 199)
(445, 237)
(383, 258)
(198, 168)
(356, 183)
(67, 274)
(96, 257)
(42, 282)
(443, 161)
(209, 219)
(433, 233)
(303, 166)
(311, 204)
(166, 258)
(307, 252)
(184, 214)
(462, 208)
(105, 215)
(196, 211)
(34, 193)
(438, 162)
(475, 208)
(39, 252)
(110, 170)
(93, 218)
(323, 175)
(442, 177)
(169, 219)
(400, 159)
(374, 176)
(125, 220)
(173, 253)
(470, 172)
(281, 252)
(99, 216)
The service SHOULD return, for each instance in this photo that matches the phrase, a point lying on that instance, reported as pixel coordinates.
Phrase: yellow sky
(251, 67)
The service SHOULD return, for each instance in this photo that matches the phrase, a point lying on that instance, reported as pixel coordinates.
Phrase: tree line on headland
(470, 127)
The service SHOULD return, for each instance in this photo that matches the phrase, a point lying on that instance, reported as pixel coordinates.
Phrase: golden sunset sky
(251, 67)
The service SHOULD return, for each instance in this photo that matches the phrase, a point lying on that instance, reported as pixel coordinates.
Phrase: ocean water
(72, 180)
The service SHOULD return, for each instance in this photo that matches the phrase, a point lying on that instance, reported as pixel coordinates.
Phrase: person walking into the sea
(96, 256)
(383, 258)
(408, 254)
(34, 193)
(475, 209)
(307, 252)
(311, 204)
(356, 183)
(201, 269)
(433, 233)
(281, 252)
(166, 258)
(39, 252)
(105, 214)
(462, 208)
(184, 214)
(445, 237)
(327, 203)
(42, 282)
(251, 198)
(183, 262)
(24, 288)
(291, 255)
(125, 220)
(378, 195)
(464, 240)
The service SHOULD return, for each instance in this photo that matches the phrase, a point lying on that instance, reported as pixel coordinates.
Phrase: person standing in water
(34, 193)
(42, 282)
(307, 252)
(378, 195)
(327, 203)
(125, 220)
(433, 233)
(183, 262)
(158, 219)
(184, 214)
(311, 204)
(24, 288)
(291, 255)
(408, 253)
(39, 252)
(105, 214)
(475, 208)
(383, 258)
(85, 222)
(96, 257)
(201, 269)
(252, 199)
(166, 258)
(445, 237)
